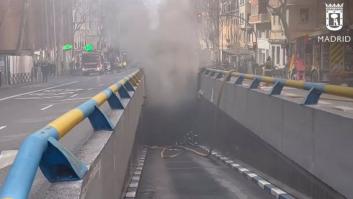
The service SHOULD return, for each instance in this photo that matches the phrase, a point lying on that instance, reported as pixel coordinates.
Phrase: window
(241, 2)
(241, 18)
(273, 52)
(262, 6)
(304, 15)
(274, 20)
(278, 20)
(278, 55)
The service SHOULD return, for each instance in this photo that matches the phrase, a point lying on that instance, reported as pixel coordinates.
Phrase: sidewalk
(7, 90)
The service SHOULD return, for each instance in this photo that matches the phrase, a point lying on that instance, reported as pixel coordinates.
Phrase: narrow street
(192, 176)
(176, 99)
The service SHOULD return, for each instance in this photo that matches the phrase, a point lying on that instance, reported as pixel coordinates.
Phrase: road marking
(44, 89)
(2, 127)
(277, 192)
(263, 183)
(344, 108)
(324, 102)
(287, 94)
(45, 108)
(7, 158)
(74, 95)
(72, 99)
(35, 98)
(131, 194)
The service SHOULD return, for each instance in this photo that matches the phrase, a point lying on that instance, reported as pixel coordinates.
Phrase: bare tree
(279, 8)
(80, 15)
(214, 17)
(3, 11)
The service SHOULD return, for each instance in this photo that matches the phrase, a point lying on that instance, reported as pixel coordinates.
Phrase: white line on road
(74, 95)
(7, 158)
(71, 99)
(35, 98)
(13, 96)
(45, 108)
(2, 127)
(324, 102)
(344, 108)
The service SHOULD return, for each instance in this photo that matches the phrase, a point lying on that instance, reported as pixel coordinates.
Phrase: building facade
(260, 19)
(33, 30)
(229, 31)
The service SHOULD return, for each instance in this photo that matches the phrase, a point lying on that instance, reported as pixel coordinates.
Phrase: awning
(310, 34)
(238, 51)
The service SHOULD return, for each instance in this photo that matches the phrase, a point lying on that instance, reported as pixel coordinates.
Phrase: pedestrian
(77, 66)
(72, 65)
(242, 67)
(34, 72)
(45, 71)
(268, 67)
(252, 65)
(52, 67)
(299, 67)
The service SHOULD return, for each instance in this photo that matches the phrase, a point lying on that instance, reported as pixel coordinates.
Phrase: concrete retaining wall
(108, 155)
(318, 140)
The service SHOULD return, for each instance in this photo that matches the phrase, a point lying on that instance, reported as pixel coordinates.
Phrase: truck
(92, 63)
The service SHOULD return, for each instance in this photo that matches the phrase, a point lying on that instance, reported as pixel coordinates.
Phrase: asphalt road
(193, 177)
(26, 109)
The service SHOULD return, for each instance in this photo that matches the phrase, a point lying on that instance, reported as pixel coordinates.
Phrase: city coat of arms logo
(334, 16)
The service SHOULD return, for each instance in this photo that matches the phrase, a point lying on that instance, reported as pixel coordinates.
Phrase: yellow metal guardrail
(316, 89)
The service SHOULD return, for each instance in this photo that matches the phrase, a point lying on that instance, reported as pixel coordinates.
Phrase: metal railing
(43, 149)
(313, 96)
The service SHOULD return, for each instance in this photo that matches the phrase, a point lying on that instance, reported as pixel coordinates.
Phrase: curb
(132, 188)
(252, 176)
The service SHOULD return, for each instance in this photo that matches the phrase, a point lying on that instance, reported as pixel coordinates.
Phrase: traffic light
(89, 47)
(67, 47)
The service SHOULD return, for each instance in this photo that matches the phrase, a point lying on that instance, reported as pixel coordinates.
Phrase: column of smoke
(161, 35)
(173, 56)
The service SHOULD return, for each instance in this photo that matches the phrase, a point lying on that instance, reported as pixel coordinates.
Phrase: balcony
(260, 18)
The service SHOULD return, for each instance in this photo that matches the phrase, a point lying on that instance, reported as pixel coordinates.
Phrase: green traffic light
(89, 47)
(67, 47)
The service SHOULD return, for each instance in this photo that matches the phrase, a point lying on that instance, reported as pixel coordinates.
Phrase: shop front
(329, 62)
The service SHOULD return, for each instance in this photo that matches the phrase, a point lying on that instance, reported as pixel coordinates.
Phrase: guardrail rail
(42, 148)
(313, 96)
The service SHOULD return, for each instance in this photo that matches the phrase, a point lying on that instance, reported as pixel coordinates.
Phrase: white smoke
(162, 36)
